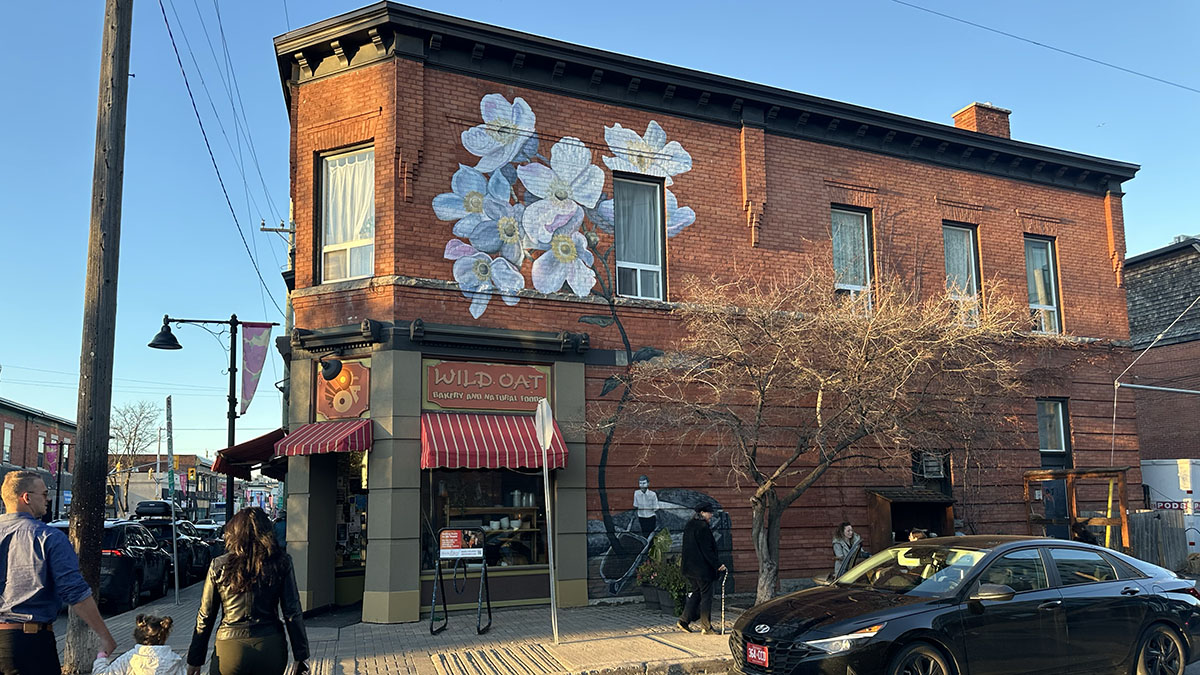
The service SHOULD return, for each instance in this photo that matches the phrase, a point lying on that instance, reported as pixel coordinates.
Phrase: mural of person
(645, 501)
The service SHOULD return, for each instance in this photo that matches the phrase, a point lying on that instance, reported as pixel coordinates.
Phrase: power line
(213, 159)
(1050, 47)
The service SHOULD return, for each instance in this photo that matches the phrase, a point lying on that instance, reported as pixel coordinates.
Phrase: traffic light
(177, 463)
(191, 473)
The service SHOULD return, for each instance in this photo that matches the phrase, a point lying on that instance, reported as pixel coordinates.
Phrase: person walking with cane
(700, 565)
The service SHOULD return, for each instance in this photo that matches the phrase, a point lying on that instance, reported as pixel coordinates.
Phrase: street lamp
(166, 340)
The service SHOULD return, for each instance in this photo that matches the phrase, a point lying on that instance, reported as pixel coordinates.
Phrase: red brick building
(32, 439)
(446, 176)
(1163, 283)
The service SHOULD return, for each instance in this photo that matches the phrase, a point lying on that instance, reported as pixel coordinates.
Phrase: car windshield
(925, 570)
(161, 531)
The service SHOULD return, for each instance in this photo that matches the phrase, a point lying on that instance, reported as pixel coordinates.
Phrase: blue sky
(180, 250)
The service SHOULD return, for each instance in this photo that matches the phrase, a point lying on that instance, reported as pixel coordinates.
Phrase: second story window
(41, 450)
(637, 217)
(851, 252)
(8, 433)
(962, 269)
(1043, 285)
(348, 215)
(1052, 426)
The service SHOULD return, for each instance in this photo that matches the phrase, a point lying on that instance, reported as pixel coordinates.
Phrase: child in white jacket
(151, 656)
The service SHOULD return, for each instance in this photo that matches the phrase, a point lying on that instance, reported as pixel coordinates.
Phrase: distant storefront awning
(471, 441)
(324, 437)
(238, 460)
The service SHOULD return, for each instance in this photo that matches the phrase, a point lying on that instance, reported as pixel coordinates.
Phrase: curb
(696, 666)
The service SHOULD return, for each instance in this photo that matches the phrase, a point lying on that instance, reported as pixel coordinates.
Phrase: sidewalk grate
(527, 659)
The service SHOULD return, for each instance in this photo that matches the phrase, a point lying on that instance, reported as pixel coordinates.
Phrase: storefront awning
(238, 460)
(470, 441)
(325, 437)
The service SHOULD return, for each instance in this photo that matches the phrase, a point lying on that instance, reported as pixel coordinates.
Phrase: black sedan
(979, 605)
(131, 563)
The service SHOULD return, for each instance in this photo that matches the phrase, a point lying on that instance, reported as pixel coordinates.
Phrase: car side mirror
(994, 592)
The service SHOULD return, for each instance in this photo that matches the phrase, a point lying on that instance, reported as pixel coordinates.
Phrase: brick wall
(1168, 422)
(762, 206)
(25, 431)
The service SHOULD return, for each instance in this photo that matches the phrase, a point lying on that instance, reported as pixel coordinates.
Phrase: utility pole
(99, 319)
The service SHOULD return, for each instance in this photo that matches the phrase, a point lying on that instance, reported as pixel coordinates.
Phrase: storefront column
(311, 530)
(571, 486)
(393, 584)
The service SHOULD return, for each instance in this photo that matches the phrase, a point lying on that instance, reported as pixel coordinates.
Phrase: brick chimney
(984, 118)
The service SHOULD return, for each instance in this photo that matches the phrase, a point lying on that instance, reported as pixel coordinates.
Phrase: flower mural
(515, 203)
(507, 131)
(648, 154)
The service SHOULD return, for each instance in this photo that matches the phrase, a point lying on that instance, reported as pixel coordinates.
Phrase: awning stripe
(475, 441)
(326, 437)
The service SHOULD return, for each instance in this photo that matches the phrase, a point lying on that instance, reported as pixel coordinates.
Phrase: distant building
(1160, 285)
(34, 439)
(195, 491)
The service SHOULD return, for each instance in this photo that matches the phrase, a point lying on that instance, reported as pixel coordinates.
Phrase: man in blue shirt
(41, 572)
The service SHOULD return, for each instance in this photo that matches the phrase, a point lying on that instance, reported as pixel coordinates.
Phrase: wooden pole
(99, 319)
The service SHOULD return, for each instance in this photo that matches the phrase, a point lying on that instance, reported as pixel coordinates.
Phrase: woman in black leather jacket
(249, 584)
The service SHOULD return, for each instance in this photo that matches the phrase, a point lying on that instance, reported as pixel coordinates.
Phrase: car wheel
(135, 595)
(919, 658)
(1161, 652)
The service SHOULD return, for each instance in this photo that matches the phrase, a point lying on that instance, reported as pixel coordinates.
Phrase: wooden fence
(1159, 537)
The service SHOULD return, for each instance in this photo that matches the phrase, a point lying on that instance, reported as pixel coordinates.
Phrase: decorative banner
(469, 385)
(346, 396)
(52, 457)
(256, 337)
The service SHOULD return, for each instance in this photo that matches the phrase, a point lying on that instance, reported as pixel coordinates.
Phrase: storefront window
(351, 545)
(508, 504)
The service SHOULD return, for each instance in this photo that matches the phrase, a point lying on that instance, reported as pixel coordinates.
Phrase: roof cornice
(388, 30)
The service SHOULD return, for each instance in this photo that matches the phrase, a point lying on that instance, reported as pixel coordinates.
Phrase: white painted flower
(649, 154)
(567, 259)
(570, 182)
(501, 231)
(507, 129)
(480, 276)
(465, 205)
(677, 217)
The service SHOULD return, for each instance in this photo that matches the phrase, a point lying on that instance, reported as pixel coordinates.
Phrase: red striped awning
(324, 437)
(470, 441)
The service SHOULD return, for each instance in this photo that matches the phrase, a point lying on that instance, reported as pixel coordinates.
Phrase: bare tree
(134, 428)
(784, 379)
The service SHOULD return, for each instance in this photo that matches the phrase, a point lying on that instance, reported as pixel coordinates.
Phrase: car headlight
(844, 643)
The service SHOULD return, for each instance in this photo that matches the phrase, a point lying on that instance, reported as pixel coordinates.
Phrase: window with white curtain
(637, 216)
(348, 215)
(8, 433)
(1043, 285)
(962, 269)
(851, 252)
(41, 450)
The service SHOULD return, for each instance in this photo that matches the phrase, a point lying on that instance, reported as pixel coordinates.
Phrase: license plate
(756, 654)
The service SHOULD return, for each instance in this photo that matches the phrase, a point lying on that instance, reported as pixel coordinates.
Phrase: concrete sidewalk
(617, 639)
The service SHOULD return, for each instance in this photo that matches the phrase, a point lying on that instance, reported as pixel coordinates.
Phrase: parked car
(980, 604)
(194, 554)
(214, 535)
(131, 563)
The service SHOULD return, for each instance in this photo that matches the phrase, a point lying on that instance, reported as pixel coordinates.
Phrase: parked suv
(193, 552)
(131, 563)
